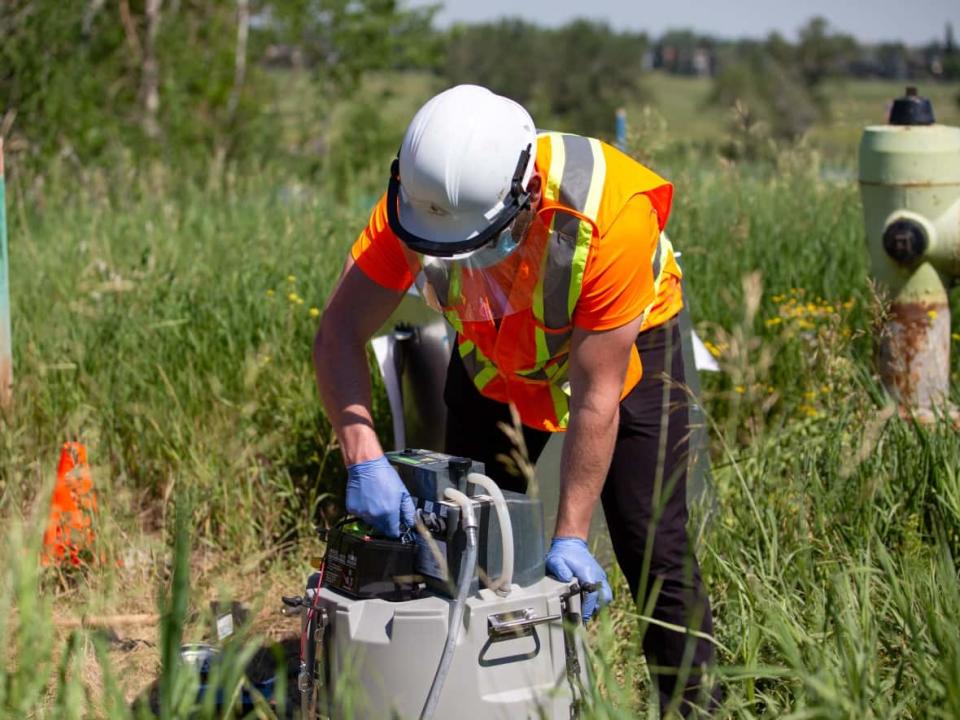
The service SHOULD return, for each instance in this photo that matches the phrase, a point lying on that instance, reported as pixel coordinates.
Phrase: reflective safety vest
(524, 358)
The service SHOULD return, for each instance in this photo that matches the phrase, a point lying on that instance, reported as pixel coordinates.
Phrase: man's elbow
(596, 406)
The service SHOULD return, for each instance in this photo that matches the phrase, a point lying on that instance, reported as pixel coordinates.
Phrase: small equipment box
(362, 566)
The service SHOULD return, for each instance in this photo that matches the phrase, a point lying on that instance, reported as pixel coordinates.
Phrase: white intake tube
(468, 565)
(503, 583)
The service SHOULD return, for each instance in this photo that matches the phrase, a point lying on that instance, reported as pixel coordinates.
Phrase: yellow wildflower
(932, 314)
(956, 336)
(848, 304)
(805, 325)
(740, 389)
(810, 394)
(809, 411)
(711, 348)
(293, 297)
(291, 278)
(269, 293)
(314, 312)
(773, 321)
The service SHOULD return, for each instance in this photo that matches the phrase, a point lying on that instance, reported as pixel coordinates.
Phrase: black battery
(362, 566)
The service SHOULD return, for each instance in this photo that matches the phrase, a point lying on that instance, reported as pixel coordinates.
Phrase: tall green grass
(44, 679)
(167, 324)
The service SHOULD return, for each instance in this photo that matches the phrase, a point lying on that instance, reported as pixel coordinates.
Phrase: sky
(910, 21)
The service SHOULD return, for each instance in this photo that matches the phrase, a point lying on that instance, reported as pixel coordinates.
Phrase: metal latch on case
(515, 623)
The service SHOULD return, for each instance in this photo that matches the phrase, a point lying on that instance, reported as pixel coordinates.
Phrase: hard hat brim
(423, 234)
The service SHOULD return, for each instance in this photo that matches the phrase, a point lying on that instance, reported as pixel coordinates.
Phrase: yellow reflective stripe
(665, 248)
(585, 232)
(539, 337)
(466, 347)
(579, 264)
(454, 320)
(484, 376)
(561, 406)
(592, 205)
(557, 161)
(453, 290)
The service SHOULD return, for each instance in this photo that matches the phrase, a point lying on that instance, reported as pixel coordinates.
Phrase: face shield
(493, 282)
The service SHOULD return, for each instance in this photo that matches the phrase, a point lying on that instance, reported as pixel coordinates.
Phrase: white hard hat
(462, 171)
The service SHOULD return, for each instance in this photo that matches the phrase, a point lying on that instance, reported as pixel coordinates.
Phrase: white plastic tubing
(503, 583)
(468, 565)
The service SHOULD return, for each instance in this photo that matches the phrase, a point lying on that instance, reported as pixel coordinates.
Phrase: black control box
(427, 474)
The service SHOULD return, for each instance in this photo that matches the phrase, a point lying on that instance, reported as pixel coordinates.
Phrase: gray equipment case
(516, 657)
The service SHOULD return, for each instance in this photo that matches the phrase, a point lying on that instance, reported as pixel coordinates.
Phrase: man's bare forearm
(587, 451)
(343, 381)
(356, 308)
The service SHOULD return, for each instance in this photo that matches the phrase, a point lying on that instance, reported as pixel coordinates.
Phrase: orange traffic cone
(69, 535)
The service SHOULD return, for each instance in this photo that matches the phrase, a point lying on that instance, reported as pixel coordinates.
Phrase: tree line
(186, 78)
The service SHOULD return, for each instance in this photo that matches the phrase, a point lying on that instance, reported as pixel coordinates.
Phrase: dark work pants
(644, 502)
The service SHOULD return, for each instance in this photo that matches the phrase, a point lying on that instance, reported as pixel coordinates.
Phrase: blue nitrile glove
(377, 494)
(570, 558)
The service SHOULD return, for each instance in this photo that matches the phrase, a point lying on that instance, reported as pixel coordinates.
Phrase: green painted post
(6, 341)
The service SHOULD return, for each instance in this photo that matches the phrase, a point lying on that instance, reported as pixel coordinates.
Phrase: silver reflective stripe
(577, 172)
(656, 259)
(438, 281)
(539, 374)
(559, 268)
(558, 343)
(471, 361)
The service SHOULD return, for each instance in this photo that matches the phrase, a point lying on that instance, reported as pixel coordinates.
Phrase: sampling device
(454, 619)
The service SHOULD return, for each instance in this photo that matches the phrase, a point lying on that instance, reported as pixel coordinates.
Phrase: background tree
(781, 85)
(178, 76)
(570, 78)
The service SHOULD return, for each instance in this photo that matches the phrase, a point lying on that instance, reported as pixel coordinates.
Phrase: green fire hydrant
(910, 186)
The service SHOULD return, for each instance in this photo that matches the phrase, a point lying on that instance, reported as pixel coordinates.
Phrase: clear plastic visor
(492, 282)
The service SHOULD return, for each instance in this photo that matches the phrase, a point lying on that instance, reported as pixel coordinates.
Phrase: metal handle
(515, 623)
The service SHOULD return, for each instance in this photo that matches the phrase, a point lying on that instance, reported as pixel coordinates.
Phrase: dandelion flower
(773, 321)
(293, 297)
(712, 349)
(809, 411)
(740, 389)
(314, 312)
(291, 278)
